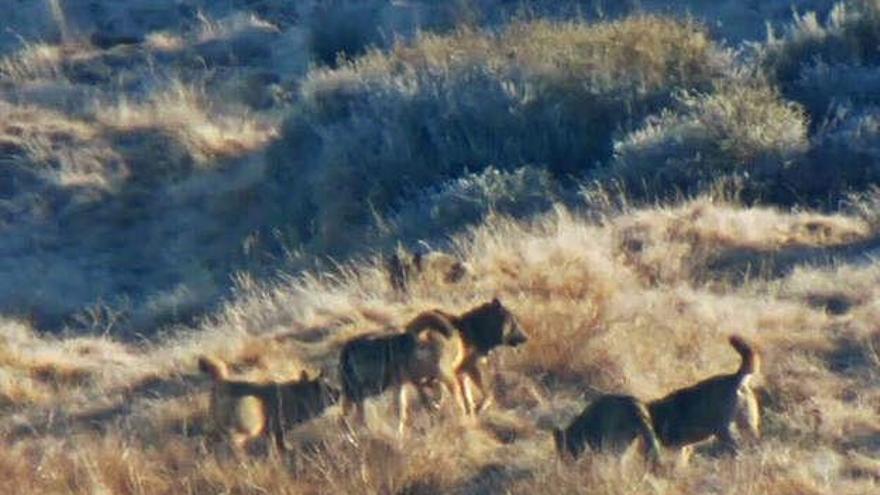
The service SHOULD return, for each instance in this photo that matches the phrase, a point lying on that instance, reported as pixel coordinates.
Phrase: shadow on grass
(738, 265)
(59, 423)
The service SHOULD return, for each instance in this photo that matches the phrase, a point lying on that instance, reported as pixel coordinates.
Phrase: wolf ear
(303, 376)
(496, 302)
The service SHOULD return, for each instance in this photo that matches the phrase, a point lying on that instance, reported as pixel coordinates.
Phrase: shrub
(846, 42)
(821, 87)
(423, 113)
(845, 154)
(742, 130)
(469, 199)
(343, 28)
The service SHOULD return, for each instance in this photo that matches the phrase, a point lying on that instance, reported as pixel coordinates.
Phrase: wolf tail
(432, 320)
(214, 367)
(750, 361)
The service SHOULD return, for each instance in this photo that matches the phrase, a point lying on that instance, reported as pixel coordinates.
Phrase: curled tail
(214, 367)
(750, 361)
(432, 320)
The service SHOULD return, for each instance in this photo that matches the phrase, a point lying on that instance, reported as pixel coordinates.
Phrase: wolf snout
(516, 338)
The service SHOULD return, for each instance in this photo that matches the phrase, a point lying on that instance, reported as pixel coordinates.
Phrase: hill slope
(641, 302)
(180, 178)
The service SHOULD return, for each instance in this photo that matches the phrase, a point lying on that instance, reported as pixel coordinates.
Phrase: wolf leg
(403, 410)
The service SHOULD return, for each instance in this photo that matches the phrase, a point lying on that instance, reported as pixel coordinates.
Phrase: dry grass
(35, 61)
(186, 113)
(89, 415)
(135, 169)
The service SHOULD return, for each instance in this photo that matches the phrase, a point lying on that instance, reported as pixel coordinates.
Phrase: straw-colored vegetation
(639, 302)
(224, 178)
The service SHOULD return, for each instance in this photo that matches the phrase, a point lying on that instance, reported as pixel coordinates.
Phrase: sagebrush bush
(837, 55)
(536, 93)
(341, 28)
(741, 130)
(467, 200)
(822, 87)
(845, 153)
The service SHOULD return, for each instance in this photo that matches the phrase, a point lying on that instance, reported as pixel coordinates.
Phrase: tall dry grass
(136, 174)
(635, 302)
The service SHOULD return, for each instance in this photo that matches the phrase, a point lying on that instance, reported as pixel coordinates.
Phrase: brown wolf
(711, 407)
(610, 423)
(373, 363)
(480, 329)
(246, 410)
(402, 268)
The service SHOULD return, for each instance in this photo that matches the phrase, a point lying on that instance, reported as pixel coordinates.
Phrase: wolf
(372, 363)
(711, 407)
(610, 423)
(246, 410)
(479, 330)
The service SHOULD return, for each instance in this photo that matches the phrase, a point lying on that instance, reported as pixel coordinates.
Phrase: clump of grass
(865, 205)
(58, 150)
(845, 155)
(185, 112)
(36, 61)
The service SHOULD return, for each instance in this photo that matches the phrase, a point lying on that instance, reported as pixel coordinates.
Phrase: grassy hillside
(640, 301)
(151, 152)
(635, 180)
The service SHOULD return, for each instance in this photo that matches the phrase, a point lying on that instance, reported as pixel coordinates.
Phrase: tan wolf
(609, 423)
(711, 407)
(373, 363)
(245, 410)
(480, 330)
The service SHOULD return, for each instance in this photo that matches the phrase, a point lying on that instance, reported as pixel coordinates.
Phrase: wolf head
(491, 325)
(512, 333)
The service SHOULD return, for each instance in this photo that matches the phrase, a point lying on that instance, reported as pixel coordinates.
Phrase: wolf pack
(438, 354)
